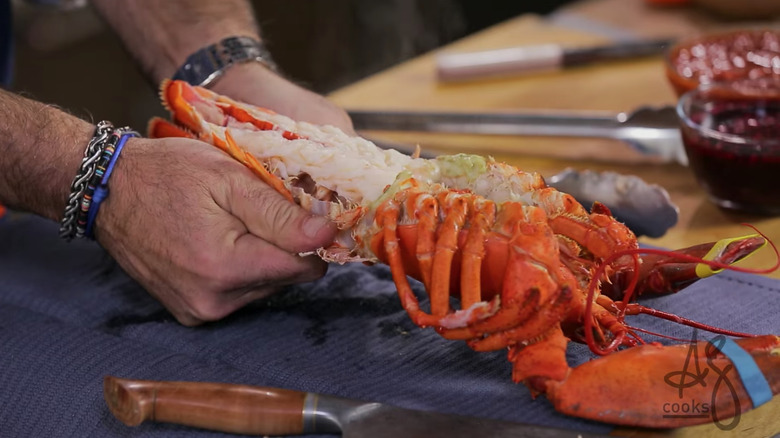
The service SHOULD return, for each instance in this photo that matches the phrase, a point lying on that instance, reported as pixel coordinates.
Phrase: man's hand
(200, 232)
(197, 229)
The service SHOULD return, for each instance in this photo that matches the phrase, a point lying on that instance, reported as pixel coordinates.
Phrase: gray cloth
(69, 316)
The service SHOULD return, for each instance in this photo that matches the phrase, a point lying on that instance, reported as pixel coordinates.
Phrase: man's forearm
(160, 34)
(40, 151)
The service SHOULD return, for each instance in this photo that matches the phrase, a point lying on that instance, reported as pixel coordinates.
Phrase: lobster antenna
(660, 335)
(636, 309)
(601, 270)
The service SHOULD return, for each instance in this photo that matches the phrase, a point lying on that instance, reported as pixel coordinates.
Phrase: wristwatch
(209, 63)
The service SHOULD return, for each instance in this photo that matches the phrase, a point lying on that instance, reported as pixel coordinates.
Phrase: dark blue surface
(69, 316)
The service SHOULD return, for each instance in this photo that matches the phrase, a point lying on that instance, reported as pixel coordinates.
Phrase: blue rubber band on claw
(101, 191)
(753, 379)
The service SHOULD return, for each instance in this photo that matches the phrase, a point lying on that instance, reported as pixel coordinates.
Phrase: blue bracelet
(101, 191)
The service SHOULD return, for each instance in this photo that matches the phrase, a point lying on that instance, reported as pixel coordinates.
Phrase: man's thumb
(273, 218)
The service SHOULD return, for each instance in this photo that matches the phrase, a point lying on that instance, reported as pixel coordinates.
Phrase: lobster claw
(672, 386)
(669, 271)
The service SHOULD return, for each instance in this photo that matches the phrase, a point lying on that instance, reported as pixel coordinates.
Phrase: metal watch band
(209, 63)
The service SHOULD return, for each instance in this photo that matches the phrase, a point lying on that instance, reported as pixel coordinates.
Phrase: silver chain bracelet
(87, 170)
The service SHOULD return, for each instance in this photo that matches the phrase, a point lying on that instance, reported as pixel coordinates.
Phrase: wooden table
(611, 87)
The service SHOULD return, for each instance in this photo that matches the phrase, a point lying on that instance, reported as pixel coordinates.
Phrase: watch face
(240, 49)
(208, 63)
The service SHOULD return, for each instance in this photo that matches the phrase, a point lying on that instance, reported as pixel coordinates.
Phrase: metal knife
(254, 410)
(650, 130)
(528, 59)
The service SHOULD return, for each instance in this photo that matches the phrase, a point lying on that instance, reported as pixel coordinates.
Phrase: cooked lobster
(531, 267)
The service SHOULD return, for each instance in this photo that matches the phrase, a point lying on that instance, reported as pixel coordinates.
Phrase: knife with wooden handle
(528, 59)
(254, 410)
(217, 406)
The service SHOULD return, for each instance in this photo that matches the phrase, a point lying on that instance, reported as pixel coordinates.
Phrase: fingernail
(313, 224)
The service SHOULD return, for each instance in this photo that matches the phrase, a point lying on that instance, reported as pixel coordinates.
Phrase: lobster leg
(531, 330)
(482, 217)
(387, 215)
(529, 260)
(435, 255)
(428, 218)
(455, 206)
(530, 255)
(668, 386)
(599, 232)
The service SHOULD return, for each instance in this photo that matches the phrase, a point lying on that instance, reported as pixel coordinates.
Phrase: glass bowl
(732, 140)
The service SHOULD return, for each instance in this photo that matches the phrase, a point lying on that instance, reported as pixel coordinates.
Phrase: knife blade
(650, 130)
(545, 57)
(255, 410)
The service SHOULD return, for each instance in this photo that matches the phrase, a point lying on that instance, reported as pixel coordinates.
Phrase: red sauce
(740, 176)
(724, 57)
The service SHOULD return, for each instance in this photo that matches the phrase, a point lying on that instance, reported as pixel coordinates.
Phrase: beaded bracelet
(86, 171)
(95, 181)
(101, 191)
(98, 157)
(100, 168)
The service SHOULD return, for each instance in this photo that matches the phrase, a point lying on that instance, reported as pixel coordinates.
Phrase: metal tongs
(650, 130)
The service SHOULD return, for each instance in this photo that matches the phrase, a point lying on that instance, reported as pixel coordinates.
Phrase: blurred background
(66, 56)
